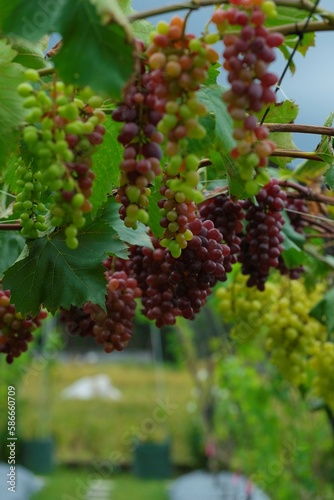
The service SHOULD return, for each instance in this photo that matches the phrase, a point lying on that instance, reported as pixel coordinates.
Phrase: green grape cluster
(61, 134)
(244, 307)
(28, 200)
(322, 362)
(292, 333)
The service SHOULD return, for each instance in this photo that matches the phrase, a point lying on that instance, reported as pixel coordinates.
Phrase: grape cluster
(179, 64)
(295, 208)
(244, 308)
(198, 269)
(177, 212)
(321, 362)
(227, 216)
(113, 327)
(15, 330)
(152, 273)
(77, 321)
(62, 134)
(261, 245)
(141, 141)
(292, 333)
(247, 56)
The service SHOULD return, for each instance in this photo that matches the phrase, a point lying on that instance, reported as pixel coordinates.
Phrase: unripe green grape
(27, 204)
(95, 101)
(41, 226)
(72, 243)
(30, 102)
(31, 75)
(77, 200)
(133, 193)
(24, 89)
(69, 111)
(142, 216)
(71, 232)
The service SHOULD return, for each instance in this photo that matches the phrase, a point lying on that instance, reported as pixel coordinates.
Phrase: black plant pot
(152, 460)
(37, 455)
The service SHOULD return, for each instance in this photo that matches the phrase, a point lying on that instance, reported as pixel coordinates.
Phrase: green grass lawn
(100, 429)
(73, 484)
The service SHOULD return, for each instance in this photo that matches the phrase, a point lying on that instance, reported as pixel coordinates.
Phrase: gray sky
(312, 85)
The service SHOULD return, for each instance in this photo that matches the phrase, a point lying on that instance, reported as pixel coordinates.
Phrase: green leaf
(142, 30)
(29, 54)
(106, 163)
(293, 243)
(211, 97)
(137, 236)
(11, 245)
(29, 19)
(310, 169)
(11, 110)
(283, 112)
(54, 276)
(154, 211)
(213, 74)
(97, 46)
(324, 311)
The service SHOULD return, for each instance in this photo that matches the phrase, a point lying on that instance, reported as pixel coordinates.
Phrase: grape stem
(46, 71)
(303, 129)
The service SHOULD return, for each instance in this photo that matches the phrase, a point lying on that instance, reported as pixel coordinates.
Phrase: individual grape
(247, 57)
(16, 331)
(62, 134)
(261, 245)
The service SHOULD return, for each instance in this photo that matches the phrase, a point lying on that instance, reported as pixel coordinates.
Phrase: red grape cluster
(77, 321)
(15, 330)
(62, 134)
(295, 208)
(113, 327)
(152, 273)
(247, 56)
(179, 63)
(198, 268)
(227, 216)
(141, 141)
(261, 246)
(177, 212)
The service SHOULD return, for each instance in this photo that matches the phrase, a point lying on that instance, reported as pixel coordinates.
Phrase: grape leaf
(29, 54)
(137, 236)
(11, 110)
(323, 311)
(29, 19)
(310, 169)
(97, 46)
(54, 276)
(293, 243)
(211, 97)
(106, 163)
(283, 112)
(11, 245)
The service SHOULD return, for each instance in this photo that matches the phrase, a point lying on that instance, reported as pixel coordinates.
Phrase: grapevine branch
(306, 193)
(197, 4)
(303, 129)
